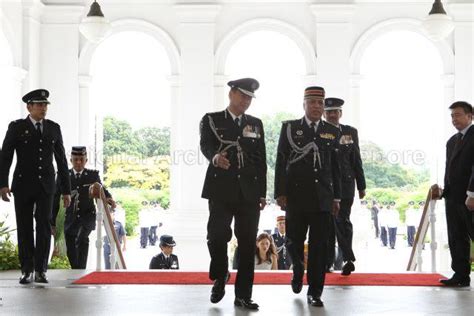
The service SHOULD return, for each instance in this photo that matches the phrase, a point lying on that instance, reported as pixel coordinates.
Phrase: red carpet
(178, 277)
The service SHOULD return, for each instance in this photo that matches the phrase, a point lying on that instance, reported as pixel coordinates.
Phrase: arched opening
(130, 97)
(8, 85)
(278, 63)
(401, 122)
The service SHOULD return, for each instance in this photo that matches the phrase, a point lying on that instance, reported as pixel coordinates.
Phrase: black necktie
(458, 142)
(237, 122)
(313, 127)
(78, 175)
(38, 129)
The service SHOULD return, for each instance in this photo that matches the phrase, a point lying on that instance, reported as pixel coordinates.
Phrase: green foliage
(8, 251)
(120, 139)
(272, 127)
(59, 262)
(381, 173)
(59, 238)
(146, 174)
(388, 181)
(154, 141)
(131, 201)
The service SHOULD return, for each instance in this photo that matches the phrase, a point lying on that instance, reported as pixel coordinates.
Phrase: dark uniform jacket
(247, 174)
(459, 174)
(160, 262)
(350, 162)
(81, 211)
(34, 164)
(313, 182)
(284, 259)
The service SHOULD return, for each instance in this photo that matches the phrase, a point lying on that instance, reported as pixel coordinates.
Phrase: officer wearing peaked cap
(80, 217)
(352, 173)
(235, 186)
(166, 259)
(36, 142)
(307, 186)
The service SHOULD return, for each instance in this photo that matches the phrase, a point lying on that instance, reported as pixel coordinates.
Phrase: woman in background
(265, 254)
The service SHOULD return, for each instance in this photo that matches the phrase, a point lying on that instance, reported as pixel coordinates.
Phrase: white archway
(401, 24)
(87, 52)
(275, 25)
(86, 123)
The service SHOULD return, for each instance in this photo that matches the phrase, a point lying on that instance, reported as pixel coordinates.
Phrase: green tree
(154, 141)
(272, 126)
(119, 138)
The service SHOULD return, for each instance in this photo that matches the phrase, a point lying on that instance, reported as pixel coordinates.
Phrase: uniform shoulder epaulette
(52, 122)
(331, 124)
(214, 113)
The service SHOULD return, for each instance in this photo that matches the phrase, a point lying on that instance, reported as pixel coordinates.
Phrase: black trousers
(411, 231)
(376, 225)
(33, 252)
(342, 230)
(144, 236)
(298, 222)
(460, 233)
(152, 237)
(77, 246)
(392, 236)
(383, 235)
(246, 216)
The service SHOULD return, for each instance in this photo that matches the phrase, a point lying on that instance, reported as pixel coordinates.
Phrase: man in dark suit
(351, 173)
(284, 259)
(36, 141)
(166, 259)
(307, 186)
(459, 193)
(80, 217)
(235, 186)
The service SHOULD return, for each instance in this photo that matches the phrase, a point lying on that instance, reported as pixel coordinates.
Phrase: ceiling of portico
(59, 2)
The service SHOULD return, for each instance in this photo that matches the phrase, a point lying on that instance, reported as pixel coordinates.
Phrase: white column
(87, 125)
(59, 66)
(463, 14)
(333, 48)
(13, 108)
(176, 114)
(354, 109)
(31, 44)
(220, 92)
(196, 97)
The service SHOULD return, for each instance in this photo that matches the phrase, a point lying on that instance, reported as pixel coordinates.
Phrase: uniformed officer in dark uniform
(307, 186)
(80, 217)
(36, 141)
(352, 173)
(284, 259)
(235, 186)
(166, 259)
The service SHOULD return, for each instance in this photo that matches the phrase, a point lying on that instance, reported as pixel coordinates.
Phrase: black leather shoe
(457, 282)
(26, 278)
(40, 277)
(218, 290)
(296, 285)
(245, 303)
(315, 301)
(348, 268)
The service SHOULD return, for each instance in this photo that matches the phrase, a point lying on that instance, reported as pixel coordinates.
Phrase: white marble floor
(60, 297)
